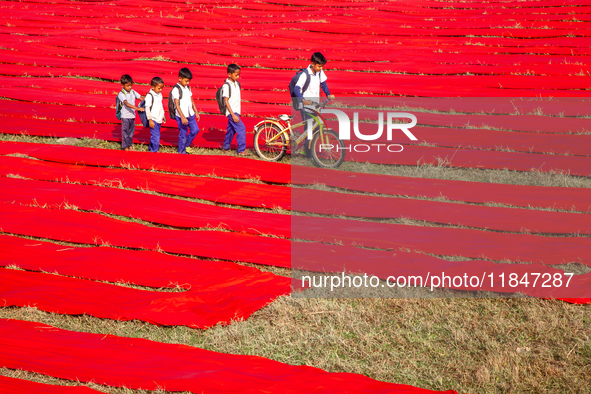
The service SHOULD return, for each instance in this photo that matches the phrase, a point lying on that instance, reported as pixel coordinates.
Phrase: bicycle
(274, 135)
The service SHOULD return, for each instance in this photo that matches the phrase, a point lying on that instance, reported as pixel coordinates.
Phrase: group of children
(309, 82)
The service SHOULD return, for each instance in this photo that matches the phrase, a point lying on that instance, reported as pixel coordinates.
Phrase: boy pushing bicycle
(308, 83)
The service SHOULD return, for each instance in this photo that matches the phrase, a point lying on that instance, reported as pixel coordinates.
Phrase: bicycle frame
(288, 131)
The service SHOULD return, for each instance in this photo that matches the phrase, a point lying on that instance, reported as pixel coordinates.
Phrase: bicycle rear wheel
(328, 151)
(266, 145)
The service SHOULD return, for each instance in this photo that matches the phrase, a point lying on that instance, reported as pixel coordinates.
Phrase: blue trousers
(154, 138)
(184, 138)
(237, 129)
(127, 131)
(305, 116)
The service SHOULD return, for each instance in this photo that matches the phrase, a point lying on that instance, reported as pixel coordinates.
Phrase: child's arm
(195, 108)
(132, 106)
(137, 96)
(235, 118)
(324, 88)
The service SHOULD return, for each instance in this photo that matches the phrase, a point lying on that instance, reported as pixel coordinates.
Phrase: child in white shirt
(155, 112)
(127, 98)
(231, 95)
(185, 111)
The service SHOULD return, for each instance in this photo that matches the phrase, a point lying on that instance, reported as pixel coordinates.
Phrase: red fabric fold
(140, 363)
(213, 292)
(179, 213)
(233, 167)
(20, 386)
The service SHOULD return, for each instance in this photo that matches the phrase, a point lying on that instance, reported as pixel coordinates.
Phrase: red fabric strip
(167, 211)
(222, 166)
(152, 208)
(90, 228)
(94, 229)
(536, 196)
(215, 292)
(20, 386)
(140, 363)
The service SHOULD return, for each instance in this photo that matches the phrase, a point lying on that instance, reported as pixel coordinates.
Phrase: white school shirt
(126, 112)
(156, 112)
(234, 99)
(313, 91)
(185, 103)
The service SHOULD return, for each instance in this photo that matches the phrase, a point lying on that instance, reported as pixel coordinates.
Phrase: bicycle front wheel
(328, 151)
(270, 142)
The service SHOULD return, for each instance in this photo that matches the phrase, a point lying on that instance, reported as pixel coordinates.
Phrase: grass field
(60, 72)
(471, 345)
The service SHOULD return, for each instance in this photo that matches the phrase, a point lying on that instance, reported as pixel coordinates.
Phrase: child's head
(318, 61)
(157, 84)
(233, 72)
(126, 82)
(185, 76)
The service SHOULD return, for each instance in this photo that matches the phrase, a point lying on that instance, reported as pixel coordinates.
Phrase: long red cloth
(438, 86)
(20, 386)
(22, 288)
(443, 241)
(215, 131)
(554, 106)
(140, 363)
(234, 167)
(411, 155)
(182, 213)
(148, 207)
(93, 229)
(480, 124)
(213, 292)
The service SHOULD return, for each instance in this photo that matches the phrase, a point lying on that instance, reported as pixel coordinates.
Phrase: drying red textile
(20, 386)
(180, 213)
(233, 167)
(140, 363)
(94, 229)
(213, 292)
(412, 155)
(555, 106)
(437, 86)
(211, 189)
(472, 275)
(213, 135)
(463, 158)
(222, 166)
(447, 241)
(565, 198)
(89, 228)
(148, 207)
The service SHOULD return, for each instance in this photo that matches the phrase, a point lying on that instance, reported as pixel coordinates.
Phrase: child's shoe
(189, 150)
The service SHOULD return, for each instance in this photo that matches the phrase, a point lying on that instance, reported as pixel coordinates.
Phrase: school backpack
(171, 107)
(142, 114)
(220, 99)
(118, 106)
(295, 101)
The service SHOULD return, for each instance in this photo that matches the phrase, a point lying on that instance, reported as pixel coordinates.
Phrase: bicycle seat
(286, 117)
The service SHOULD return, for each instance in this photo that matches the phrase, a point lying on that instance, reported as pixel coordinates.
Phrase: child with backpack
(182, 107)
(309, 82)
(305, 87)
(125, 110)
(230, 106)
(155, 112)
